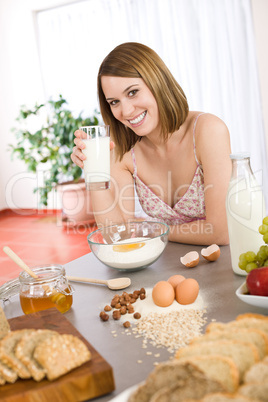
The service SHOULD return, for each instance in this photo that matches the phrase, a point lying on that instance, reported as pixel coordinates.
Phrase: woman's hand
(77, 155)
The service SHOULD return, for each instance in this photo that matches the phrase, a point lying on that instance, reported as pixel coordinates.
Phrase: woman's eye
(113, 102)
(133, 92)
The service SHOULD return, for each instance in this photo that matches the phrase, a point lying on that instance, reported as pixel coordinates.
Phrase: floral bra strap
(197, 161)
(134, 163)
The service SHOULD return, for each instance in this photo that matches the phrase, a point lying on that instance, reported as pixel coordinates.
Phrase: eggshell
(187, 291)
(211, 253)
(190, 259)
(163, 294)
(175, 280)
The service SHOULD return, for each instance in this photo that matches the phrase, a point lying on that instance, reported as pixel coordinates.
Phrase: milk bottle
(245, 210)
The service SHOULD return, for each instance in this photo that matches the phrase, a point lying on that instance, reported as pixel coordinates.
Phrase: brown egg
(187, 291)
(190, 259)
(211, 253)
(175, 280)
(163, 294)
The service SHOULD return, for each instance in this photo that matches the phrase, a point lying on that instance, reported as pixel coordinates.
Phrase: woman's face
(132, 103)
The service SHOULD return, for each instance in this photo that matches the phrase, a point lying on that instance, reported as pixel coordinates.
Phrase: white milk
(245, 210)
(97, 164)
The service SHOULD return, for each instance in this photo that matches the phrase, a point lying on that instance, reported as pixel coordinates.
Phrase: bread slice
(218, 368)
(225, 397)
(244, 354)
(255, 336)
(4, 325)
(193, 387)
(252, 315)
(2, 380)
(243, 322)
(60, 354)
(25, 348)
(7, 352)
(257, 373)
(255, 391)
(178, 377)
(7, 373)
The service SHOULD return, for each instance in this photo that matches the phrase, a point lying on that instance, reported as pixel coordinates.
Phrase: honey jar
(50, 289)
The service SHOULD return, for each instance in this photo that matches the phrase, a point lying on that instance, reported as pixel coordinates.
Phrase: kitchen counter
(130, 361)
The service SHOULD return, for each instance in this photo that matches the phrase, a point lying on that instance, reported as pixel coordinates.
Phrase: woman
(177, 159)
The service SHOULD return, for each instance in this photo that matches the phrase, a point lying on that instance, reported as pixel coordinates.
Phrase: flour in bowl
(131, 253)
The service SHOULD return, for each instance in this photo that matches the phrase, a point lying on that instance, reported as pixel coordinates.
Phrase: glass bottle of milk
(245, 208)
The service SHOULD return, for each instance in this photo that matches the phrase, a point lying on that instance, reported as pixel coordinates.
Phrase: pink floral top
(190, 207)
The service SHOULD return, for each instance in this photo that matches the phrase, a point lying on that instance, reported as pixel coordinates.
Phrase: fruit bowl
(129, 246)
(258, 301)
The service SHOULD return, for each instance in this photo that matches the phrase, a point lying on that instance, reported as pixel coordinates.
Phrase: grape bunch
(263, 229)
(250, 260)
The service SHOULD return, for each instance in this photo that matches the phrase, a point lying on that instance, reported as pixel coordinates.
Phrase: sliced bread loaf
(252, 315)
(224, 397)
(255, 336)
(7, 352)
(25, 348)
(193, 388)
(60, 354)
(255, 391)
(244, 354)
(219, 368)
(7, 373)
(258, 373)
(183, 379)
(243, 322)
(2, 380)
(4, 325)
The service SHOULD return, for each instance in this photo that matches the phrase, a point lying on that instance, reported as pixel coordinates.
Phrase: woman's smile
(138, 120)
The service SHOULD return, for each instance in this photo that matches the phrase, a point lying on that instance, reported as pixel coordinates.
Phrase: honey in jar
(51, 289)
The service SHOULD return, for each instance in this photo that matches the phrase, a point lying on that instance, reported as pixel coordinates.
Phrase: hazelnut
(104, 316)
(126, 324)
(116, 315)
(137, 316)
(133, 300)
(142, 296)
(107, 308)
(142, 290)
(123, 310)
(130, 309)
(118, 305)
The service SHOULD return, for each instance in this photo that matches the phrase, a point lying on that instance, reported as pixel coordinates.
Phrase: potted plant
(50, 144)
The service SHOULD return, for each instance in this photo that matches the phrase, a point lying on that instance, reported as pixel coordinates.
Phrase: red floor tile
(39, 239)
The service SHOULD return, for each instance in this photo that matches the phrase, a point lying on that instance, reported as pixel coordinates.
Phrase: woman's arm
(213, 152)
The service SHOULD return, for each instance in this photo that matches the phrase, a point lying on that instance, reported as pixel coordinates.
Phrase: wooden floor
(39, 238)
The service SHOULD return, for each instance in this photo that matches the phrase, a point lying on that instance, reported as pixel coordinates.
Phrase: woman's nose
(127, 109)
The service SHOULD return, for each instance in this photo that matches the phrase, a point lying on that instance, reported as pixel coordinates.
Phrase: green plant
(51, 144)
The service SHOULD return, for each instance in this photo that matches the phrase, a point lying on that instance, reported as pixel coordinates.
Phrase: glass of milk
(97, 151)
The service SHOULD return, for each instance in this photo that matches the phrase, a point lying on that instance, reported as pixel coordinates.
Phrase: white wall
(21, 83)
(260, 14)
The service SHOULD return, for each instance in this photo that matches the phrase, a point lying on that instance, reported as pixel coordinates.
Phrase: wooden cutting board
(92, 379)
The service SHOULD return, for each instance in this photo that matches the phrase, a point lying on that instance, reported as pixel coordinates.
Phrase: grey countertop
(217, 283)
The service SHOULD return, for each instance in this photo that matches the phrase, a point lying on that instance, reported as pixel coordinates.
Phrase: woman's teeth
(138, 119)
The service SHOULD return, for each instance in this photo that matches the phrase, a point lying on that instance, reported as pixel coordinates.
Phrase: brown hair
(134, 59)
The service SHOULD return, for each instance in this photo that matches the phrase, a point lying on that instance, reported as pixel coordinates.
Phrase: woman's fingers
(80, 134)
(77, 155)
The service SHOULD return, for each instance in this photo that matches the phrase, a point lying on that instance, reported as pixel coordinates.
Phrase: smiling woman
(182, 156)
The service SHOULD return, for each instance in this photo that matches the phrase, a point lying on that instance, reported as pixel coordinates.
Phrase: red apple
(257, 281)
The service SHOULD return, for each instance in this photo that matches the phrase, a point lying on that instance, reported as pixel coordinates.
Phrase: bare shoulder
(125, 164)
(208, 125)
